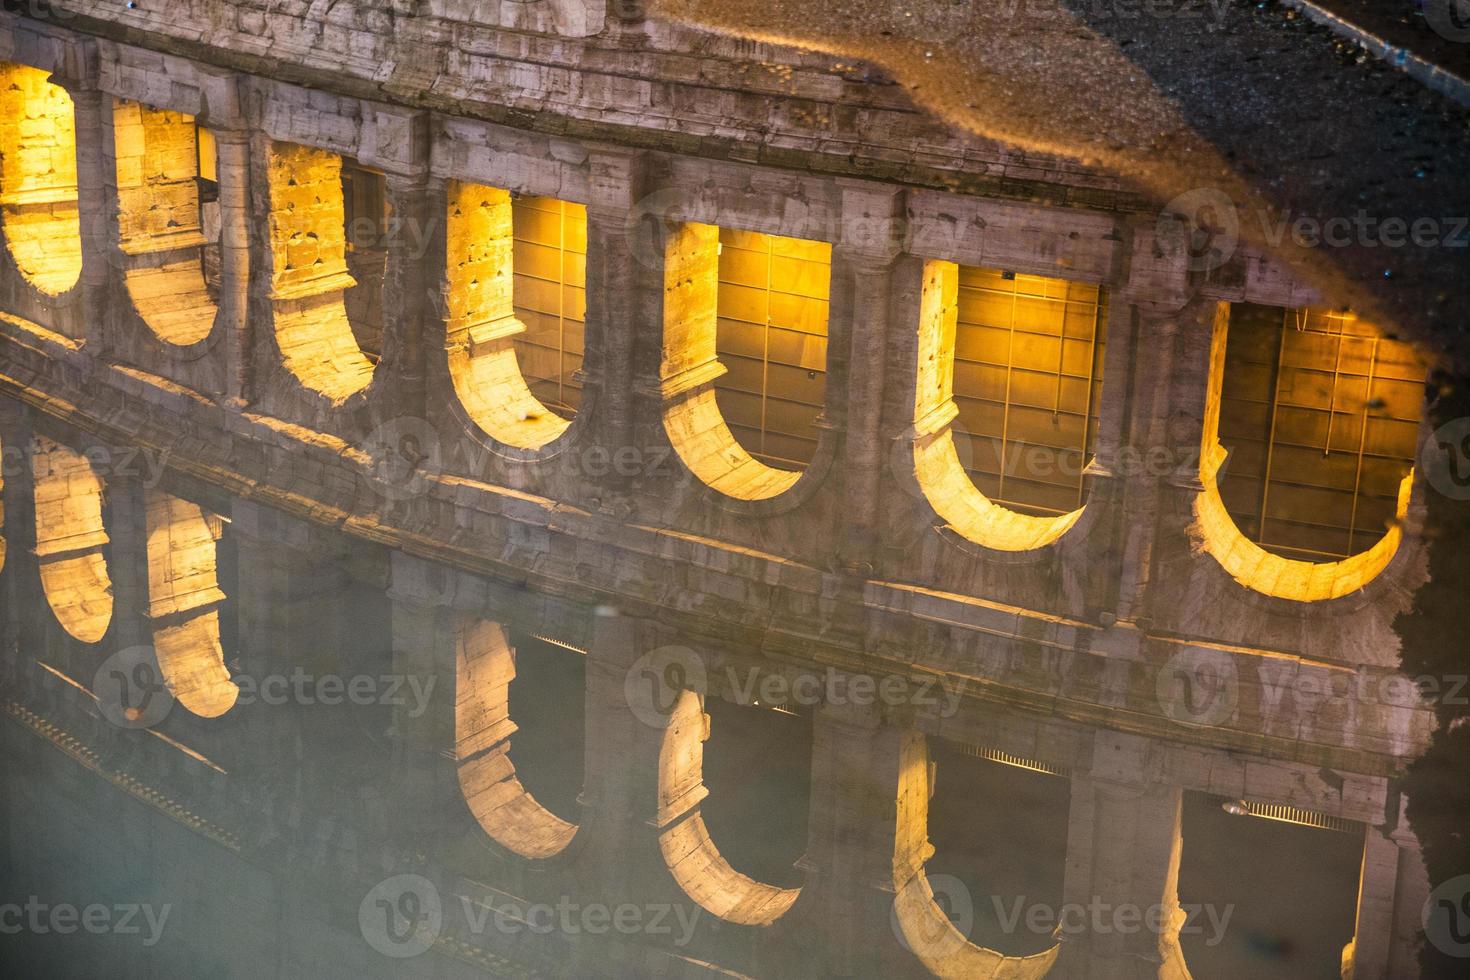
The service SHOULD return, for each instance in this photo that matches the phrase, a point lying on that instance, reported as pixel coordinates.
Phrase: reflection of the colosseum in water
(900, 603)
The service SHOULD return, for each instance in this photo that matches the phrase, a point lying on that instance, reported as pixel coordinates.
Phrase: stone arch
(160, 157)
(70, 539)
(703, 289)
(939, 468)
(483, 327)
(309, 277)
(38, 179)
(485, 664)
(691, 856)
(1304, 384)
(184, 600)
(922, 923)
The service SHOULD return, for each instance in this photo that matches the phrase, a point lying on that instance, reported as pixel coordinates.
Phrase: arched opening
(310, 275)
(165, 173)
(998, 824)
(551, 298)
(365, 229)
(1310, 437)
(689, 848)
(38, 179)
(1006, 407)
(939, 915)
(184, 601)
(70, 540)
(745, 355)
(547, 697)
(1245, 879)
(516, 302)
(486, 664)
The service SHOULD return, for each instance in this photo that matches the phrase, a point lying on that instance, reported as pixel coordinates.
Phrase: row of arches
(183, 589)
(734, 788)
(1312, 418)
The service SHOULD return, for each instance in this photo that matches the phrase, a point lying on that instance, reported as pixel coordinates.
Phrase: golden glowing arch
(308, 247)
(484, 667)
(483, 326)
(697, 428)
(938, 468)
(1262, 571)
(70, 539)
(183, 601)
(38, 179)
(159, 220)
(691, 856)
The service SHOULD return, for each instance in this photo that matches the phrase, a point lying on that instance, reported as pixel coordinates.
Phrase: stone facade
(396, 515)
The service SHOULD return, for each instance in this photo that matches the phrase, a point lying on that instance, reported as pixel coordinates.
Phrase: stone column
(232, 147)
(866, 838)
(407, 293)
(1391, 895)
(862, 266)
(98, 221)
(622, 295)
(427, 802)
(1123, 850)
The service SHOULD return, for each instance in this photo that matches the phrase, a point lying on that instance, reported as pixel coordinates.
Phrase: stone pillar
(622, 295)
(1391, 895)
(407, 293)
(1123, 850)
(428, 803)
(862, 266)
(19, 576)
(866, 838)
(98, 221)
(233, 164)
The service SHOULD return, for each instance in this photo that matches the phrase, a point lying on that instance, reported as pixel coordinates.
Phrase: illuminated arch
(744, 355)
(925, 928)
(1295, 388)
(70, 539)
(309, 272)
(485, 665)
(38, 179)
(161, 157)
(498, 278)
(1039, 339)
(183, 602)
(691, 856)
